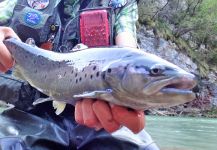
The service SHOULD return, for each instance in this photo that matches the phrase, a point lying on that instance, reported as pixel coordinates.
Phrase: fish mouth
(181, 85)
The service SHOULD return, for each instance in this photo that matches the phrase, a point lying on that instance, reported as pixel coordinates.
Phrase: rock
(186, 36)
(192, 44)
(165, 49)
(213, 93)
(212, 76)
(202, 46)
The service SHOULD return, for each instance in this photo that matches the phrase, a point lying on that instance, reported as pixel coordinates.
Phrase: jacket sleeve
(126, 18)
(17, 92)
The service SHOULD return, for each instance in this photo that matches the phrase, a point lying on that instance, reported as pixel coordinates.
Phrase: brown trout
(120, 75)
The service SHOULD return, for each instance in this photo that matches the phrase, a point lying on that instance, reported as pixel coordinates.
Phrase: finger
(2, 68)
(5, 57)
(104, 115)
(78, 113)
(89, 116)
(134, 120)
(98, 127)
(7, 33)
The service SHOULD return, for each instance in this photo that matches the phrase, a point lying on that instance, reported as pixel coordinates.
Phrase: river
(180, 133)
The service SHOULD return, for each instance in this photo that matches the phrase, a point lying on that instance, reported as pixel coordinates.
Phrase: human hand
(99, 114)
(6, 60)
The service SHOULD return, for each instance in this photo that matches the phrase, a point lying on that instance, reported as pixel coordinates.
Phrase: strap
(84, 3)
(104, 3)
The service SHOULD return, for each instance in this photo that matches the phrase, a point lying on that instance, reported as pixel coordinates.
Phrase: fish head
(151, 81)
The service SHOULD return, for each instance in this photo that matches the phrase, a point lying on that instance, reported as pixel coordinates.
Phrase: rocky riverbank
(180, 43)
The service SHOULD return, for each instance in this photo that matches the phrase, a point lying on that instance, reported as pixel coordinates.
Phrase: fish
(123, 76)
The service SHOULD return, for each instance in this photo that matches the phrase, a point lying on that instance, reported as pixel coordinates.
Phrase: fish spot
(72, 71)
(83, 70)
(109, 70)
(85, 75)
(76, 81)
(45, 76)
(97, 74)
(129, 55)
(94, 67)
(80, 78)
(91, 76)
(103, 75)
(76, 74)
(64, 73)
(26, 56)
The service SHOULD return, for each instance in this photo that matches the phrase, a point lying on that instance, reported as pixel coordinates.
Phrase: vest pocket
(30, 23)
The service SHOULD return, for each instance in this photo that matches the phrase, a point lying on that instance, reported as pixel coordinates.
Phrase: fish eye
(157, 70)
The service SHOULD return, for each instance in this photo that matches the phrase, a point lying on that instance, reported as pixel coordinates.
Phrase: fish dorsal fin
(79, 47)
(31, 42)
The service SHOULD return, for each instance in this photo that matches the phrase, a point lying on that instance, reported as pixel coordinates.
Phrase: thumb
(134, 120)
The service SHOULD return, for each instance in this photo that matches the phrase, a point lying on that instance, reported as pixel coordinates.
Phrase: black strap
(84, 3)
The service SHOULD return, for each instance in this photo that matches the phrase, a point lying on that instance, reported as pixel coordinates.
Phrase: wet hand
(99, 114)
(6, 61)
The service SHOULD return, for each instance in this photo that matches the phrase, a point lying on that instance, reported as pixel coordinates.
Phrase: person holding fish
(59, 26)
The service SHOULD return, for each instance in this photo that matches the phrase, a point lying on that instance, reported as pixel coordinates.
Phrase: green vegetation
(194, 19)
(212, 113)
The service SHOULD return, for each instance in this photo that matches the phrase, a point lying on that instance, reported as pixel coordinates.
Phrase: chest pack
(92, 24)
(40, 21)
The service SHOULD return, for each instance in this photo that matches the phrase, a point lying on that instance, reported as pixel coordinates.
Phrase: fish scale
(120, 75)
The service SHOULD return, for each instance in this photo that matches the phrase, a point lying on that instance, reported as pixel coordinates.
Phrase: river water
(180, 133)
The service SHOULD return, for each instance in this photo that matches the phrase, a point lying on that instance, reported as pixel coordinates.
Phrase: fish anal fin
(59, 107)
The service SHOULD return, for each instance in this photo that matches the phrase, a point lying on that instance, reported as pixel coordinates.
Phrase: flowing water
(180, 133)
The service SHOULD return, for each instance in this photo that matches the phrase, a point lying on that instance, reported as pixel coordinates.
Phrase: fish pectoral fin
(94, 94)
(59, 107)
(42, 100)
